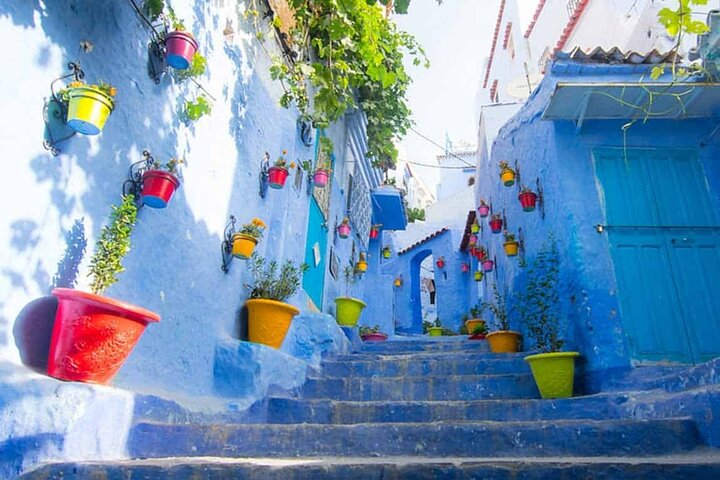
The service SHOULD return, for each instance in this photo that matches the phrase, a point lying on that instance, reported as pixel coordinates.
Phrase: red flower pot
(93, 335)
(277, 177)
(483, 210)
(477, 336)
(375, 337)
(180, 48)
(343, 230)
(320, 178)
(487, 265)
(496, 225)
(158, 187)
(374, 233)
(527, 200)
(440, 263)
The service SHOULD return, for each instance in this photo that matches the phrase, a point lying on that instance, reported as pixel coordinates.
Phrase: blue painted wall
(174, 265)
(562, 161)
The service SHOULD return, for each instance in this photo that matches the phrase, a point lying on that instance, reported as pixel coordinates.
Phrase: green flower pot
(554, 373)
(348, 310)
(435, 331)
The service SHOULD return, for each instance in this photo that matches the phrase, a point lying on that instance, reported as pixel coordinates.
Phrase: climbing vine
(352, 56)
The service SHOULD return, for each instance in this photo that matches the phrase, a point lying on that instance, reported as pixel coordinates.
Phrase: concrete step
(696, 465)
(456, 344)
(448, 387)
(417, 356)
(289, 410)
(404, 366)
(462, 439)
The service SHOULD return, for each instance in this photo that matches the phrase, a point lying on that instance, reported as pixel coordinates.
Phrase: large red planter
(277, 177)
(496, 225)
(320, 178)
(158, 188)
(93, 335)
(180, 47)
(527, 200)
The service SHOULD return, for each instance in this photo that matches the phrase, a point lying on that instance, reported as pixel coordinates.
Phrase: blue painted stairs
(419, 408)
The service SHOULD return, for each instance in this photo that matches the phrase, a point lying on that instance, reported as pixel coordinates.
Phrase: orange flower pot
(269, 321)
(503, 341)
(511, 248)
(243, 246)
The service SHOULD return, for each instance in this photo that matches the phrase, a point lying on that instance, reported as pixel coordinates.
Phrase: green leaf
(657, 72)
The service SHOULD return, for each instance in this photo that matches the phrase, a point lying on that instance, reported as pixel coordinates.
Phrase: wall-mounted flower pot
(180, 48)
(243, 245)
(464, 268)
(321, 178)
(386, 253)
(348, 310)
(511, 248)
(93, 335)
(487, 265)
(397, 282)
(528, 200)
(343, 230)
(474, 228)
(361, 266)
(158, 187)
(483, 210)
(88, 109)
(496, 225)
(473, 239)
(269, 321)
(508, 177)
(435, 331)
(374, 337)
(478, 276)
(553, 373)
(440, 263)
(277, 177)
(374, 233)
(503, 341)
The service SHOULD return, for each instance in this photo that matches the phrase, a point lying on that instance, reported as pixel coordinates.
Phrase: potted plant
(483, 209)
(386, 253)
(496, 223)
(323, 170)
(246, 238)
(472, 240)
(92, 334)
(372, 334)
(510, 245)
(375, 231)
(361, 265)
(487, 265)
(480, 253)
(278, 173)
(88, 106)
(527, 199)
(478, 275)
(348, 309)
(344, 228)
(479, 332)
(464, 267)
(440, 262)
(159, 182)
(474, 228)
(539, 304)
(269, 317)
(180, 45)
(507, 174)
(436, 329)
(502, 340)
(474, 320)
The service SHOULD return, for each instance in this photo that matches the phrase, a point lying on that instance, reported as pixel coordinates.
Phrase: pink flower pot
(483, 210)
(375, 337)
(320, 178)
(180, 48)
(487, 265)
(343, 230)
(464, 268)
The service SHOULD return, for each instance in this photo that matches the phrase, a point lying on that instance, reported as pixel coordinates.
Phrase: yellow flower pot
(553, 373)
(508, 177)
(435, 331)
(348, 310)
(511, 248)
(269, 321)
(243, 245)
(503, 341)
(361, 266)
(88, 109)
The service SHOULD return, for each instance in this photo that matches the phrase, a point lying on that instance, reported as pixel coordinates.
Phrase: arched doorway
(421, 274)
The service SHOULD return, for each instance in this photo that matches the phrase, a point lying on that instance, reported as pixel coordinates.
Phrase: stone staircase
(419, 409)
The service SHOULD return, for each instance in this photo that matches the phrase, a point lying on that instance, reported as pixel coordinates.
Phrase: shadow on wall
(33, 330)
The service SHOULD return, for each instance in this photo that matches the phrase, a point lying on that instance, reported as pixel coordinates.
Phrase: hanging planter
(474, 228)
(89, 106)
(496, 223)
(245, 239)
(277, 177)
(440, 262)
(473, 239)
(361, 266)
(398, 282)
(481, 253)
(527, 198)
(321, 178)
(507, 174)
(478, 275)
(464, 267)
(511, 245)
(374, 232)
(386, 253)
(483, 209)
(159, 182)
(180, 47)
(344, 228)
(487, 265)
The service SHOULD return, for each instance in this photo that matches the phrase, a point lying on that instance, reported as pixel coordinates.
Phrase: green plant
(172, 166)
(368, 330)
(497, 307)
(509, 237)
(678, 22)
(106, 88)
(349, 275)
(476, 311)
(539, 303)
(254, 229)
(153, 9)
(113, 245)
(197, 67)
(271, 284)
(427, 325)
(416, 214)
(357, 61)
(177, 23)
(281, 161)
(194, 110)
(479, 329)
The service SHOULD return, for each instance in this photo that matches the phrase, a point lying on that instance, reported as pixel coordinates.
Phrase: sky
(457, 36)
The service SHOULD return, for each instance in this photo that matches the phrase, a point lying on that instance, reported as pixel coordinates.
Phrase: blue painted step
(695, 466)
(463, 439)
(417, 356)
(427, 346)
(449, 387)
(289, 410)
(404, 366)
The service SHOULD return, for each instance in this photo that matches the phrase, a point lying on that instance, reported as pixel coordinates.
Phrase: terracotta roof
(420, 242)
(466, 235)
(494, 42)
(534, 20)
(617, 56)
(572, 23)
(508, 30)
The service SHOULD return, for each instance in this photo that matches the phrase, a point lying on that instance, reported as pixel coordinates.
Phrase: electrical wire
(447, 152)
(438, 166)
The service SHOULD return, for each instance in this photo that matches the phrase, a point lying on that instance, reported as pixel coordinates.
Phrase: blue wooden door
(316, 244)
(665, 244)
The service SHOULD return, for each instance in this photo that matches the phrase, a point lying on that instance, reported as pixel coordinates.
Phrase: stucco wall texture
(174, 265)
